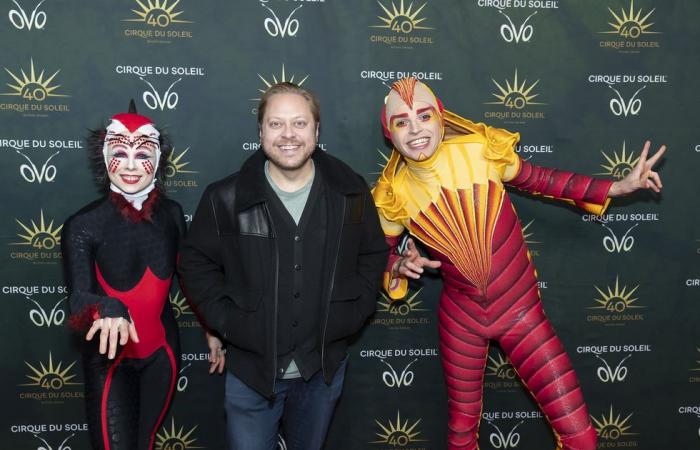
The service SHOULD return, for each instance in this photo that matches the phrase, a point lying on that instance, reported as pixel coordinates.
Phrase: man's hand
(411, 262)
(112, 330)
(641, 177)
(217, 354)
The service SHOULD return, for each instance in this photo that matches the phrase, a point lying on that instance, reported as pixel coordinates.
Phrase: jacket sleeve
(86, 305)
(588, 193)
(200, 267)
(372, 258)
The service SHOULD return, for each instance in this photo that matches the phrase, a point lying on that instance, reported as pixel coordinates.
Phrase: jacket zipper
(330, 291)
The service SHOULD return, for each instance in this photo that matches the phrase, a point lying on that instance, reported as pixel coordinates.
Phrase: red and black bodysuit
(119, 256)
(118, 266)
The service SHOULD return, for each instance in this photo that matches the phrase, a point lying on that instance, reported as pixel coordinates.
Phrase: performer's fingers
(645, 152)
(222, 364)
(123, 331)
(656, 179)
(433, 264)
(405, 271)
(104, 335)
(133, 335)
(413, 267)
(410, 245)
(113, 338)
(659, 153)
(93, 329)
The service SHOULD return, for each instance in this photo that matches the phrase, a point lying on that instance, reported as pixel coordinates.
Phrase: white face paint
(131, 158)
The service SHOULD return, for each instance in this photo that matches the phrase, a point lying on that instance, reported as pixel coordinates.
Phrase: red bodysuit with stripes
(454, 202)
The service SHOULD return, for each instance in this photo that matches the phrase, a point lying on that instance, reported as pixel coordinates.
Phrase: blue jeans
(303, 409)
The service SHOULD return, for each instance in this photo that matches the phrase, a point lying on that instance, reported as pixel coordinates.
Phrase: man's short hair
(286, 87)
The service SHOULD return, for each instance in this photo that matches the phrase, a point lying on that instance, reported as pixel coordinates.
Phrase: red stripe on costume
(173, 376)
(105, 398)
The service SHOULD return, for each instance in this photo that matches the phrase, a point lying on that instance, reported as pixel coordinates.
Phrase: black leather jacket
(229, 260)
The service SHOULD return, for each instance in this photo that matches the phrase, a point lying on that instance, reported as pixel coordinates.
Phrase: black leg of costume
(126, 398)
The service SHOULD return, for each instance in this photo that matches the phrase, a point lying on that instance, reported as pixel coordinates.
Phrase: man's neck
(292, 180)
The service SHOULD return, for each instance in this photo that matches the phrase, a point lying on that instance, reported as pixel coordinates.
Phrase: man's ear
(318, 127)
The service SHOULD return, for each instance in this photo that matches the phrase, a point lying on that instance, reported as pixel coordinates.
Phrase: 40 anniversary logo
(399, 433)
(52, 379)
(401, 23)
(156, 18)
(44, 240)
(631, 27)
(34, 89)
(618, 165)
(175, 439)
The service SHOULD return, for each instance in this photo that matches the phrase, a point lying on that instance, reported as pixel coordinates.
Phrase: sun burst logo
(32, 87)
(274, 79)
(400, 307)
(500, 367)
(179, 304)
(619, 165)
(630, 24)
(515, 95)
(612, 427)
(401, 19)
(528, 234)
(697, 362)
(398, 433)
(616, 300)
(174, 166)
(41, 236)
(382, 164)
(50, 377)
(175, 439)
(157, 13)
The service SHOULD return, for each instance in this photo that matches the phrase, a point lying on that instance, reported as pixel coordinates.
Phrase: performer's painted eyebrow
(427, 108)
(398, 116)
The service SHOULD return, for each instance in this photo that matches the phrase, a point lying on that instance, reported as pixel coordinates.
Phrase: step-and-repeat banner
(584, 82)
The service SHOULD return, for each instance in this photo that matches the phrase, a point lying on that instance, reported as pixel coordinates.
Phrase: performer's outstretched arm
(588, 193)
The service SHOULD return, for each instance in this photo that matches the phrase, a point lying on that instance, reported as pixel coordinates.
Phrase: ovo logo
(398, 433)
(401, 307)
(157, 13)
(33, 87)
(173, 439)
(179, 305)
(31, 173)
(621, 107)
(19, 18)
(612, 427)
(616, 300)
(275, 27)
(392, 379)
(50, 377)
(500, 440)
(41, 236)
(41, 318)
(630, 24)
(174, 166)
(613, 244)
(511, 33)
(401, 19)
(515, 95)
(182, 380)
(154, 100)
(62, 446)
(607, 374)
(618, 166)
(500, 367)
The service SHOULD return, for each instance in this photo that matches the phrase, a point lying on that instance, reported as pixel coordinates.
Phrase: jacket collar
(251, 182)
